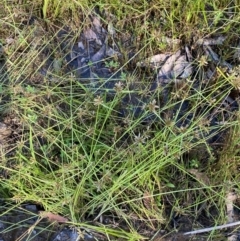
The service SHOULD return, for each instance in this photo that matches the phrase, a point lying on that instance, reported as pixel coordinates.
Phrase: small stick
(213, 228)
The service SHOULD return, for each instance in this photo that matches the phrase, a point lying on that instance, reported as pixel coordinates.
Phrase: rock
(66, 234)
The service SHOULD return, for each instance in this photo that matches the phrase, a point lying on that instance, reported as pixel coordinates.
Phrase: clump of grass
(71, 153)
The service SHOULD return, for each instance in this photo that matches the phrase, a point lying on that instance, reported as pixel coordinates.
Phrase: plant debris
(53, 217)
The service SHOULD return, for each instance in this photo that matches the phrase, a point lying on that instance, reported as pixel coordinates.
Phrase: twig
(213, 228)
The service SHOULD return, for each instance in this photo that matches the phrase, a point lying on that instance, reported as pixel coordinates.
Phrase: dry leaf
(165, 71)
(237, 53)
(188, 53)
(89, 34)
(111, 52)
(149, 201)
(53, 217)
(81, 45)
(212, 55)
(98, 56)
(111, 29)
(5, 131)
(188, 68)
(10, 40)
(153, 62)
(171, 41)
(200, 176)
(230, 198)
(179, 66)
(97, 24)
(211, 41)
(187, 71)
(233, 237)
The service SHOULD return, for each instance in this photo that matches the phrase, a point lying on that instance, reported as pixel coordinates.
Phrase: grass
(72, 154)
